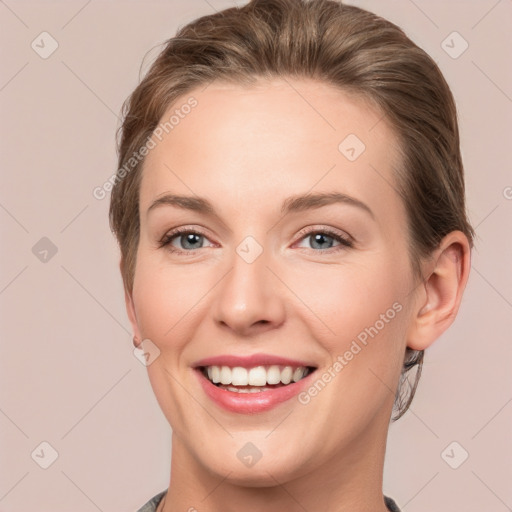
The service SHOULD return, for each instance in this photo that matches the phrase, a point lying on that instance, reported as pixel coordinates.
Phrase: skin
(247, 149)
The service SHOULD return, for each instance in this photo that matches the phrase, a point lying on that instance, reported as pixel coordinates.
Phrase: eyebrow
(292, 204)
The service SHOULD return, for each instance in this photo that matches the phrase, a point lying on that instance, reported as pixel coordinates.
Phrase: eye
(186, 240)
(183, 240)
(325, 239)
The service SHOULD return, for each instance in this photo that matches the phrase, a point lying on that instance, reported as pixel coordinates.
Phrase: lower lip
(251, 403)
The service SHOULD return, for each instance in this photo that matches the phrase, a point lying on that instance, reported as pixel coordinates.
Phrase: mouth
(252, 384)
(257, 379)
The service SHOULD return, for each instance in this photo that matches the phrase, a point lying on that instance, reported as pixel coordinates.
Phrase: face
(273, 258)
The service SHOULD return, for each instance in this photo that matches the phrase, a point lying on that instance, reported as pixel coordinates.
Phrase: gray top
(392, 506)
(151, 505)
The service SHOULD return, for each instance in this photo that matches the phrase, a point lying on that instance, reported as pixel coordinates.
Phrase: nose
(249, 298)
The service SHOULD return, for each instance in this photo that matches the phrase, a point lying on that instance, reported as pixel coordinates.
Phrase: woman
(290, 210)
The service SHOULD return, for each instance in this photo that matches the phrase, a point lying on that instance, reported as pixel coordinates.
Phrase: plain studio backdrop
(80, 427)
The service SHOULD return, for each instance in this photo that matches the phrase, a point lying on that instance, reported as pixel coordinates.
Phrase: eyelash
(344, 242)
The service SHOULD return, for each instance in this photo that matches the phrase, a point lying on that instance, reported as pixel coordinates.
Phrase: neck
(347, 481)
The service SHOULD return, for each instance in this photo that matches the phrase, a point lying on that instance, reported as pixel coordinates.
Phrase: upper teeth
(257, 376)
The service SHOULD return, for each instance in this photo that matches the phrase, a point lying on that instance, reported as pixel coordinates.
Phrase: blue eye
(326, 239)
(188, 240)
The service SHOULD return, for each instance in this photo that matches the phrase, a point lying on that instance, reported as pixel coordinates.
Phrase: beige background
(68, 376)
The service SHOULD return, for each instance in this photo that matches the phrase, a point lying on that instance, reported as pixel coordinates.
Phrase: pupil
(320, 239)
(191, 238)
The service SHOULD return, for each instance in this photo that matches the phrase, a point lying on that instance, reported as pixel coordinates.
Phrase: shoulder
(151, 505)
(392, 506)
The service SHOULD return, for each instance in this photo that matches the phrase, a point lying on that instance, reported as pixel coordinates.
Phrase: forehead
(249, 143)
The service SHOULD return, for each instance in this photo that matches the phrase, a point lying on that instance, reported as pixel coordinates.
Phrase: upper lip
(250, 361)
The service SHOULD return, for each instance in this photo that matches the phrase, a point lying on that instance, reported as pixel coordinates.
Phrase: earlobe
(448, 272)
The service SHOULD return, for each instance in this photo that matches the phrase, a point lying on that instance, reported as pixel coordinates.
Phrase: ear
(130, 310)
(441, 292)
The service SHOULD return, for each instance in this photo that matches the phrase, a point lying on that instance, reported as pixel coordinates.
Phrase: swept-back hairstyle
(340, 45)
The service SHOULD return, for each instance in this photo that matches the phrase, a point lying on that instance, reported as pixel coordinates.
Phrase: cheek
(347, 299)
(166, 302)
(340, 302)
(369, 322)
(171, 300)
(161, 299)
(360, 321)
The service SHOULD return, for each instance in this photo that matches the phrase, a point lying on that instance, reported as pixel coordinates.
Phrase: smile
(252, 384)
(254, 380)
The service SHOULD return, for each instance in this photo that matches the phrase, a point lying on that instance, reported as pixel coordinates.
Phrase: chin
(249, 466)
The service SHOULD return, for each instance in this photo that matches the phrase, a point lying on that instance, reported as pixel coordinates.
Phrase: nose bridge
(249, 295)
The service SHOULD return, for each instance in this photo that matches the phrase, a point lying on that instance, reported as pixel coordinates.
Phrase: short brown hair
(340, 45)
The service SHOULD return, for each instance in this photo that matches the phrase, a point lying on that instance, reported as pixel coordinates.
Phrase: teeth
(298, 374)
(257, 376)
(286, 375)
(225, 375)
(239, 376)
(274, 375)
(246, 390)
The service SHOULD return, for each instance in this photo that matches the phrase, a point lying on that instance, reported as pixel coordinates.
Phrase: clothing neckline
(153, 503)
